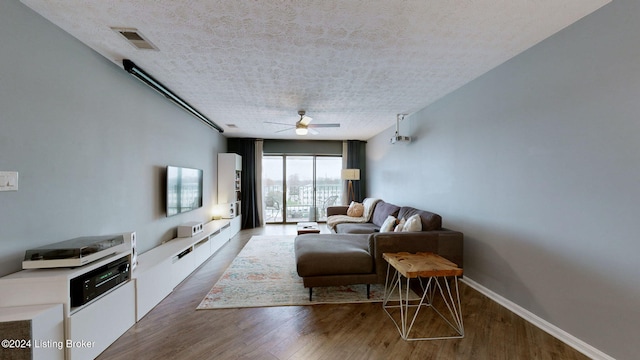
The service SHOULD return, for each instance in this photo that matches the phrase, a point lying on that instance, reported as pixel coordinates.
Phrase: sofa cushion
(382, 211)
(430, 221)
(356, 228)
(320, 255)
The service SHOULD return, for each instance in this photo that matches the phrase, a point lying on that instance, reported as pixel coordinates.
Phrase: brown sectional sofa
(353, 254)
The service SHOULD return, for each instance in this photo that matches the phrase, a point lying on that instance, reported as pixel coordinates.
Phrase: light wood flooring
(175, 330)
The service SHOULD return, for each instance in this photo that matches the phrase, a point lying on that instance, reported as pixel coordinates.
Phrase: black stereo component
(89, 286)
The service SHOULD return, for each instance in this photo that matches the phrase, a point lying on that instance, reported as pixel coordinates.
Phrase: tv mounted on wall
(184, 189)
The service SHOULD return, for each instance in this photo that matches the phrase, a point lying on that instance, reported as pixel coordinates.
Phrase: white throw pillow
(414, 223)
(400, 225)
(389, 224)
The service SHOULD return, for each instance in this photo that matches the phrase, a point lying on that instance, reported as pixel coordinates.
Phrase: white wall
(538, 163)
(89, 141)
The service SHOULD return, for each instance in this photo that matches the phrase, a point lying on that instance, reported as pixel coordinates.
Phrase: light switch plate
(8, 181)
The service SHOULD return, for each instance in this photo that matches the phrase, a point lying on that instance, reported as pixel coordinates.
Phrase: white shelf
(229, 170)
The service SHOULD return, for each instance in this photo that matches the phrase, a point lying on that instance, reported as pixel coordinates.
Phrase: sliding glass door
(328, 184)
(300, 187)
(299, 190)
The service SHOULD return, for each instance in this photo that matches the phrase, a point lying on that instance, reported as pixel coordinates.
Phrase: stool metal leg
(454, 307)
(432, 288)
(391, 284)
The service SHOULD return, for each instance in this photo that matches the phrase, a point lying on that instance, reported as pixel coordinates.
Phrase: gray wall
(90, 143)
(538, 163)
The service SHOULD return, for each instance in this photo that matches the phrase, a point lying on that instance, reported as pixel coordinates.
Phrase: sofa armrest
(337, 210)
(446, 243)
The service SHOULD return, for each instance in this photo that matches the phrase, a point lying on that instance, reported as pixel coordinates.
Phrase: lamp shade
(350, 174)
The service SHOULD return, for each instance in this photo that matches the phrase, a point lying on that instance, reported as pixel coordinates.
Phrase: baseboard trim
(544, 325)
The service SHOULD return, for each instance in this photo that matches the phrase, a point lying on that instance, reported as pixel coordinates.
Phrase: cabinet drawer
(96, 326)
(182, 266)
(202, 251)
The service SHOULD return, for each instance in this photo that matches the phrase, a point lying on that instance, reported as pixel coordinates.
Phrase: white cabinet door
(152, 285)
(96, 326)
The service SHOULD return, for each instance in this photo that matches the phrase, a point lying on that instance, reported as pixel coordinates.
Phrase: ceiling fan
(303, 126)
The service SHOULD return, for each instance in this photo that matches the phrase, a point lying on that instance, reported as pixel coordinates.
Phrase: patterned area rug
(264, 274)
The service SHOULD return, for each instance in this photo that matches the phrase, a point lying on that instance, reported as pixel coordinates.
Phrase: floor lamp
(350, 175)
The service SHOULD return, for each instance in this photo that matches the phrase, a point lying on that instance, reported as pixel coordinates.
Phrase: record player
(74, 252)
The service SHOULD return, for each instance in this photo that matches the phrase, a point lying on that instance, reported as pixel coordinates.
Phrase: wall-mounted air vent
(135, 38)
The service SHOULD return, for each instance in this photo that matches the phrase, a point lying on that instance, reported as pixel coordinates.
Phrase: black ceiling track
(136, 71)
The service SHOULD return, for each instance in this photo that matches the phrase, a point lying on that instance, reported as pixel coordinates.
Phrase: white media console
(162, 268)
(94, 326)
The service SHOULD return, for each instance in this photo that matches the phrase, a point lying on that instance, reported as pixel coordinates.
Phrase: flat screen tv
(184, 189)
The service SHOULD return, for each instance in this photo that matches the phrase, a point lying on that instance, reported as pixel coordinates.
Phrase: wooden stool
(422, 265)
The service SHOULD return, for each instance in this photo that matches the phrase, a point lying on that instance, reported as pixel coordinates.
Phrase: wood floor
(175, 330)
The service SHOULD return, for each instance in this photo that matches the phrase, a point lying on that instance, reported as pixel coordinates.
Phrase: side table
(422, 266)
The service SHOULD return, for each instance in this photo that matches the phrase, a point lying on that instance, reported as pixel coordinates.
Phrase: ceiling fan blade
(277, 123)
(305, 120)
(312, 132)
(323, 125)
(283, 130)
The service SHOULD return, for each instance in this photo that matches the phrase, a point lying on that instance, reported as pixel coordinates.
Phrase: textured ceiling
(354, 62)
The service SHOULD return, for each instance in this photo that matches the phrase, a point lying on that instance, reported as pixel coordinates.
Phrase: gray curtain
(251, 203)
(258, 179)
(357, 159)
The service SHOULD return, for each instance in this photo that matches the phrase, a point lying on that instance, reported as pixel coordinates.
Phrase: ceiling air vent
(135, 38)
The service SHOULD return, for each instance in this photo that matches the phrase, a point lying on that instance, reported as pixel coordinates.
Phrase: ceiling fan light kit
(301, 130)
